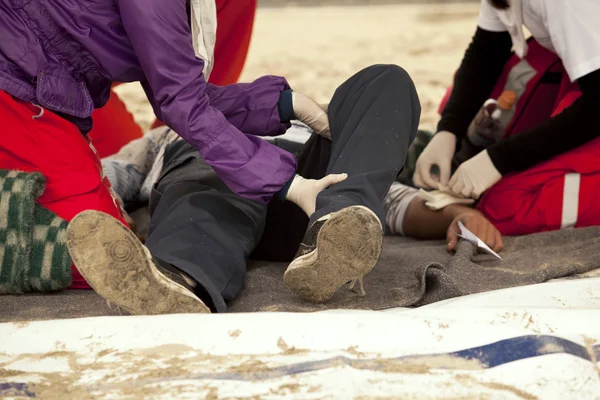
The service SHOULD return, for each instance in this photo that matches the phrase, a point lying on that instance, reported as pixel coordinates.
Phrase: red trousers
(51, 145)
(556, 194)
(114, 126)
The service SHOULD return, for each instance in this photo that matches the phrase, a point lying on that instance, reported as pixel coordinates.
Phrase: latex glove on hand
(439, 151)
(474, 176)
(312, 114)
(303, 192)
(474, 221)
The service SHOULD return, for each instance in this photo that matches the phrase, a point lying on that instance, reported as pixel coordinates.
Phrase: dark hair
(500, 4)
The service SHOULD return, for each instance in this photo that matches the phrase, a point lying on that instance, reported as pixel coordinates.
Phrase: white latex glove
(475, 176)
(439, 151)
(312, 114)
(303, 192)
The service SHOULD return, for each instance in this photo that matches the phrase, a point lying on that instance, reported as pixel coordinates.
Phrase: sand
(317, 48)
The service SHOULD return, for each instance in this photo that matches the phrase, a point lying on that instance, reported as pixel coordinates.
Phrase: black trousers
(204, 229)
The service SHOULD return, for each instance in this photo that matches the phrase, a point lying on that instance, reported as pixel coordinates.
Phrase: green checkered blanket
(33, 248)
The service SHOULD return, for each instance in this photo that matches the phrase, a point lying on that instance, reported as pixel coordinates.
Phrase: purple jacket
(64, 54)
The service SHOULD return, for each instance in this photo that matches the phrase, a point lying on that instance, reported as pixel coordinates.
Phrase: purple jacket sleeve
(160, 35)
(251, 107)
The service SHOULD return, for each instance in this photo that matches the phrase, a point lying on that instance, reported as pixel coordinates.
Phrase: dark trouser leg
(373, 118)
(201, 227)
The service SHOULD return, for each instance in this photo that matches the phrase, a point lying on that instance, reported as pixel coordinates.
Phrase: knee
(395, 81)
(394, 77)
(392, 74)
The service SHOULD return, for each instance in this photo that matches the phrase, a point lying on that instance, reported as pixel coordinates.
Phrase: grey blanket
(410, 273)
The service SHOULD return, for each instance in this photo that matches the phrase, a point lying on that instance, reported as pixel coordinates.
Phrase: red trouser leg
(235, 20)
(559, 193)
(554, 195)
(54, 147)
(527, 202)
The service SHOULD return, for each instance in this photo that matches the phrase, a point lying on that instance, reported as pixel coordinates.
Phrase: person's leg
(200, 235)
(121, 269)
(525, 203)
(373, 118)
(201, 227)
(559, 193)
(57, 149)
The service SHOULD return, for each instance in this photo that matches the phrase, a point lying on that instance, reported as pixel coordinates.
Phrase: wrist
(501, 159)
(446, 133)
(283, 192)
(452, 211)
(285, 106)
(449, 127)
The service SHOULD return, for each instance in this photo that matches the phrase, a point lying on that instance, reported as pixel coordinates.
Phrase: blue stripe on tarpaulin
(15, 389)
(488, 356)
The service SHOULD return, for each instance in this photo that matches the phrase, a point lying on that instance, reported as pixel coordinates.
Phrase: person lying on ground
(328, 221)
(134, 170)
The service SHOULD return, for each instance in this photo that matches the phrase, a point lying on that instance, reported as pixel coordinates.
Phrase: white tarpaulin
(524, 343)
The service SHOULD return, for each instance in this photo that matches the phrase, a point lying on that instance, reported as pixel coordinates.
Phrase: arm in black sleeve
(574, 127)
(478, 73)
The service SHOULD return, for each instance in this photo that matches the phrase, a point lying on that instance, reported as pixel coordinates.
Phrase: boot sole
(348, 247)
(120, 268)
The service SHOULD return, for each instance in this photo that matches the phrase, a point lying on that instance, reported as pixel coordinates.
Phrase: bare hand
(474, 221)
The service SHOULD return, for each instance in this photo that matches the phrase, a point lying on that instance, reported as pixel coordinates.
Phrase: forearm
(475, 79)
(420, 222)
(574, 127)
(176, 87)
(407, 214)
(255, 107)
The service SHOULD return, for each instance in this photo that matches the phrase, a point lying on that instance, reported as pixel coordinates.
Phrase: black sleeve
(475, 79)
(574, 127)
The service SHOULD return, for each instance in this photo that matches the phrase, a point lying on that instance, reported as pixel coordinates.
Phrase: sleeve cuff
(497, 154)
(453, 128)
(285, 106)
(282, 194)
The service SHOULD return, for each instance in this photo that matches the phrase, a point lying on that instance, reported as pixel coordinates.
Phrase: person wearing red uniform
(543, 177)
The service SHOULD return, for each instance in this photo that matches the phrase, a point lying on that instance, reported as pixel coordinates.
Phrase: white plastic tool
(470, 237)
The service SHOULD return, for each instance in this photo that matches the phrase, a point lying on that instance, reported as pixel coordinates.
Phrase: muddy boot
(338, 248)
(120, 268)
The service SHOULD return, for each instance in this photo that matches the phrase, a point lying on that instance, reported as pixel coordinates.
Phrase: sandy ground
(317, 48)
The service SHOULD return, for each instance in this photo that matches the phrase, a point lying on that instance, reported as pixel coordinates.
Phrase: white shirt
(569, 28)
